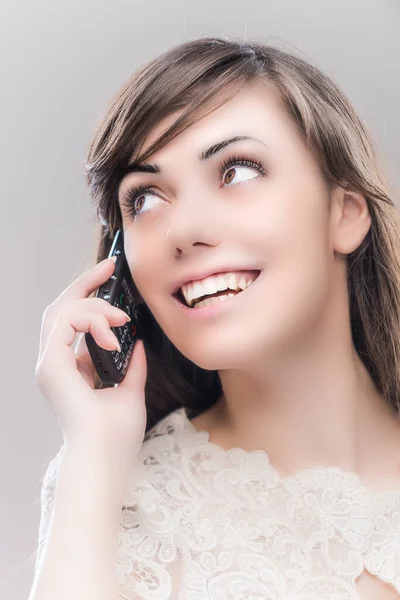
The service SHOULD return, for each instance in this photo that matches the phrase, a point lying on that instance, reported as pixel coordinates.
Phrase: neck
(316, 406)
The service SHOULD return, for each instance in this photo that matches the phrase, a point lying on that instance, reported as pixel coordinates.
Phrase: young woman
(253, 448)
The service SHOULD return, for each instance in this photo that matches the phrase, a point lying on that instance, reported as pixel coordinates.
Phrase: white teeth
(232, 281)
(209, 286)
(214, 300)
(216, 283)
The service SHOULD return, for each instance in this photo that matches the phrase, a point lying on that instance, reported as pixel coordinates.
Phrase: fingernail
(125, 314)
(114, 258)
(116, 342)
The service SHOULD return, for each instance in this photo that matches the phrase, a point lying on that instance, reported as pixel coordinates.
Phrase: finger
(115, 315)
(84, 322)
(56, 371)
(86, 284)
(136, 373)
(88, 281)
(84, 361)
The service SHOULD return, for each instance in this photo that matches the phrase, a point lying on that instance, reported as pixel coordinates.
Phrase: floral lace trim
(225, 520)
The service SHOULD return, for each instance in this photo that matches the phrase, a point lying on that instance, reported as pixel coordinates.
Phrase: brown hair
(199, 76)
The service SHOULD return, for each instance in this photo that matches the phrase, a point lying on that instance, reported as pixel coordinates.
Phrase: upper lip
(206, 273)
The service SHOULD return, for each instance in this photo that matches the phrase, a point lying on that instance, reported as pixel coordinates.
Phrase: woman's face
(275, 219)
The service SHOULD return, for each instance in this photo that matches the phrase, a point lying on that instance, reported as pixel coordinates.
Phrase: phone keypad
(127, 332)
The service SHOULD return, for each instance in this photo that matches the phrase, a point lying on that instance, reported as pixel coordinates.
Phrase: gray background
(61, 63)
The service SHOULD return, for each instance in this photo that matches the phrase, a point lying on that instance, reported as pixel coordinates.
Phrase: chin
(215, 357)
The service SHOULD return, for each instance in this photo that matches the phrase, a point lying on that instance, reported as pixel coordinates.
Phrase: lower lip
(215, 309)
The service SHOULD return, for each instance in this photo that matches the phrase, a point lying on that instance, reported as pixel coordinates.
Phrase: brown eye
(230, 173)
(134, 198)
(229, 178)
(231, 164)
(139, 205)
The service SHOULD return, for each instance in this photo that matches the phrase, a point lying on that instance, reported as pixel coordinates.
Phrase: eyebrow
(135, 167)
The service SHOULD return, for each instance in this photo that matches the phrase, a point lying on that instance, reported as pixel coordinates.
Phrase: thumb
(136, 372)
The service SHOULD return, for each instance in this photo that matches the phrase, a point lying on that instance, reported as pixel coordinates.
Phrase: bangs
(196, 104)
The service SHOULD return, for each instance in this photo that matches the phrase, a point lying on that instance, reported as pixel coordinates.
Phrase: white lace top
(204, 523)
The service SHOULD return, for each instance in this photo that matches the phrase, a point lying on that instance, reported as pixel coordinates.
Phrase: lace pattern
(203, 523)
(217, 524)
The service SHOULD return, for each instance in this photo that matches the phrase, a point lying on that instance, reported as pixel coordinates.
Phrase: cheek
(141, 257)
(296, 233)
(295, 222)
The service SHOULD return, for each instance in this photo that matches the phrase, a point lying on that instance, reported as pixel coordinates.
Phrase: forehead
(255, 111)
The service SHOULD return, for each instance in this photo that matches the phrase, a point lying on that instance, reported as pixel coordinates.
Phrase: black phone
(119, 291)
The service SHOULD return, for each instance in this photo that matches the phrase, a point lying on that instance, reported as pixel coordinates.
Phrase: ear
(350, 220)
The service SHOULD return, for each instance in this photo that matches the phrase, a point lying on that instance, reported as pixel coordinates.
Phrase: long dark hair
(199, 76)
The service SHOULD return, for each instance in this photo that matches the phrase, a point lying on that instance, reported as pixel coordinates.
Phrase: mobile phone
(111, 365)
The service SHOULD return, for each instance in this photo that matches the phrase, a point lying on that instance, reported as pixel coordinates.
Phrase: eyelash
(130, 196)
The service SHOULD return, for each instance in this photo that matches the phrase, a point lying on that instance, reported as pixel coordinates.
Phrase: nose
(192, 223)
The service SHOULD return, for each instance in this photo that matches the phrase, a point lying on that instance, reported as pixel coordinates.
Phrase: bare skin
(293, 384)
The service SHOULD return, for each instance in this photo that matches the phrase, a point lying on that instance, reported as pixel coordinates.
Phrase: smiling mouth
(180, 297)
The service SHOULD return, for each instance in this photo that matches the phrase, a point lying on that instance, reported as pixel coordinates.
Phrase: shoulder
(175, 423)
(164, 447)
(155, 491)
(172, 429)
(150, 532)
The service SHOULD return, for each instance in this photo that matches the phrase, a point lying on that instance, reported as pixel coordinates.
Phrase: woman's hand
(113, 417)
